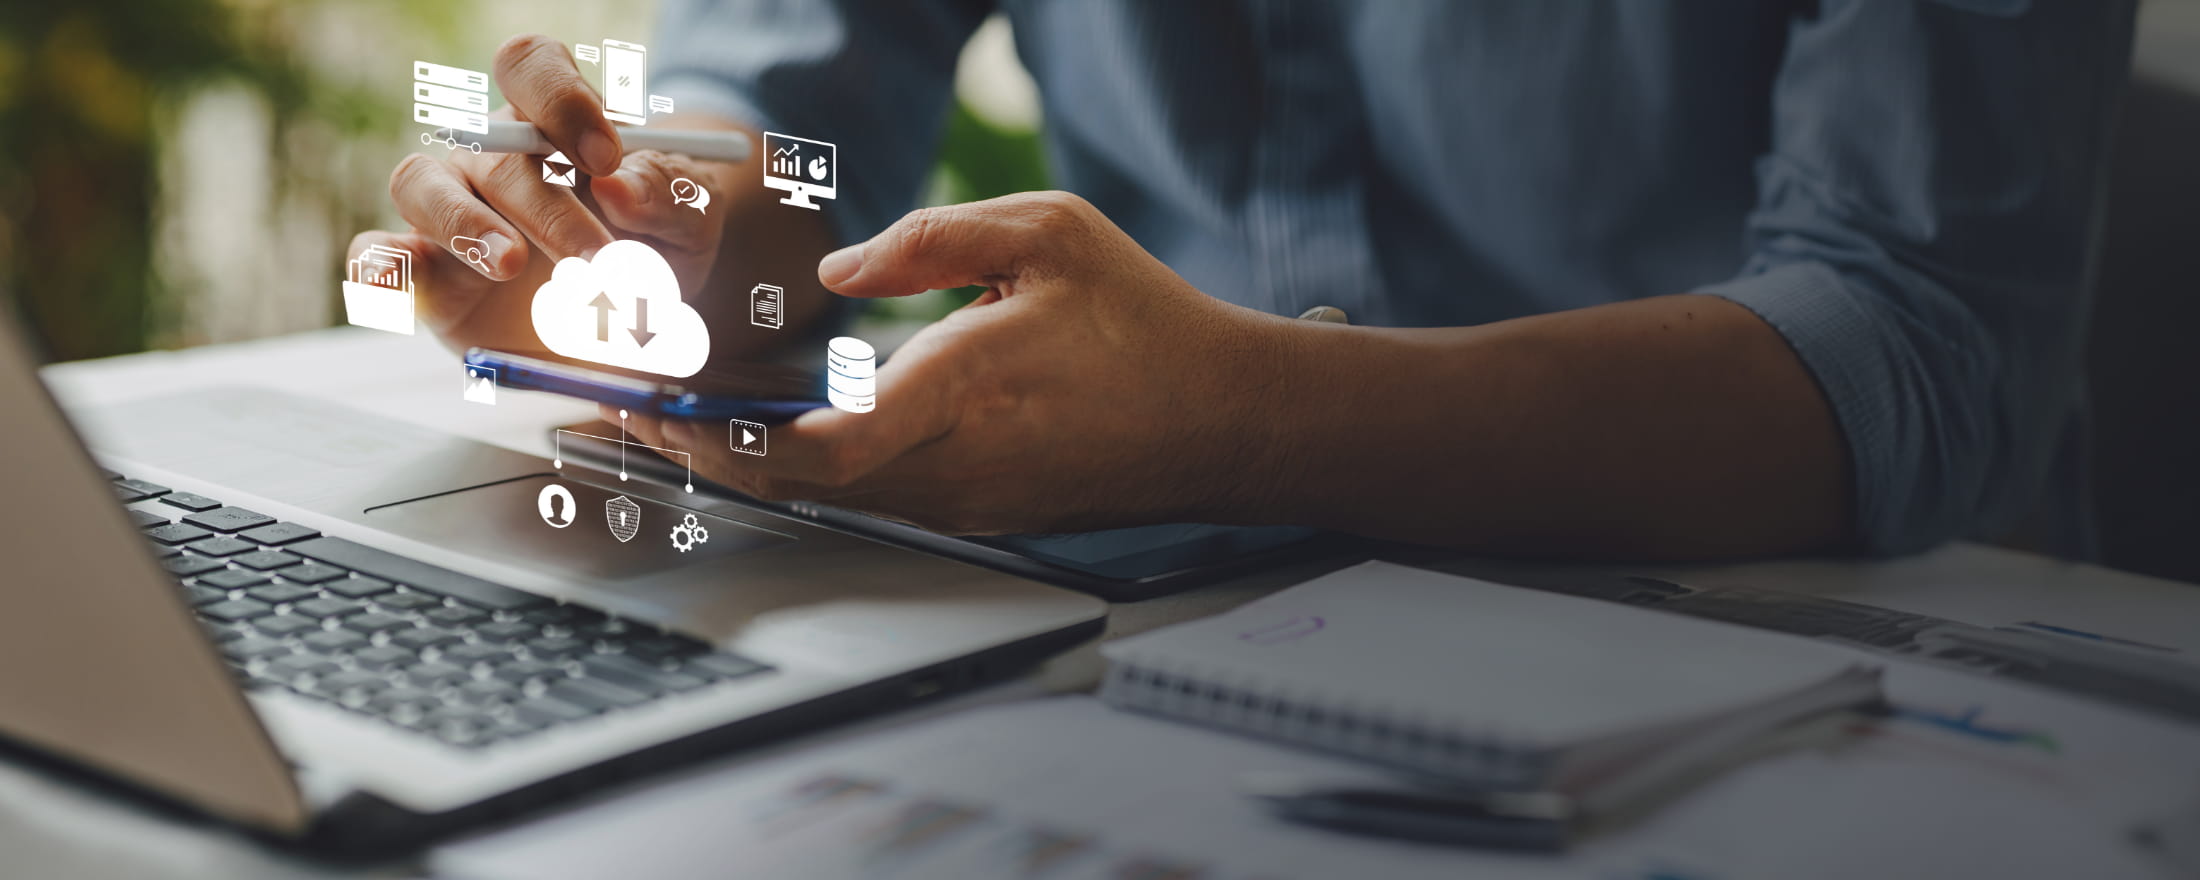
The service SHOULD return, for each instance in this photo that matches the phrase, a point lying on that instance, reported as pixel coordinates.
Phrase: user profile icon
(556, 506)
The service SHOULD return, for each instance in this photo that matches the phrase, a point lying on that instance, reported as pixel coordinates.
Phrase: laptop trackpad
(566, 528)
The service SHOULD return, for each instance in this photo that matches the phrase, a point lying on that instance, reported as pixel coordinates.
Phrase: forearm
(1673, 427)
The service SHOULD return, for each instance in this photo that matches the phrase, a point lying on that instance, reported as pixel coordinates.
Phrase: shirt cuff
(1839, 341)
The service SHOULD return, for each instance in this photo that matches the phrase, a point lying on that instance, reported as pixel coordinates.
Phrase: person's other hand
(530, 223)
(1089, 387)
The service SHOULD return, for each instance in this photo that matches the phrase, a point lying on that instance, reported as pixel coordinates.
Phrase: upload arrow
(603, 306)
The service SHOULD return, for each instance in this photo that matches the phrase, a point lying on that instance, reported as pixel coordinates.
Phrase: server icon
(851, 375)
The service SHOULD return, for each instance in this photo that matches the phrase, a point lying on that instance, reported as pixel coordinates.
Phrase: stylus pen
(524, 137)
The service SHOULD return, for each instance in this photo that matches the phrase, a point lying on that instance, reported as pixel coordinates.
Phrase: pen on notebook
(524, 137)
(1548, 820)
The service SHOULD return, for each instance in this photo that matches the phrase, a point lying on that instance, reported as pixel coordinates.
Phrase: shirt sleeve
(1922, 237)
(871, 77)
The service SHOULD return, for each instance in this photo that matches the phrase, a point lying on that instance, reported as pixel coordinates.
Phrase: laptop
(357, 635)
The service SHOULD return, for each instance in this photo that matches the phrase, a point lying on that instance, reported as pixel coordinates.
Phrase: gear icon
(689, 533)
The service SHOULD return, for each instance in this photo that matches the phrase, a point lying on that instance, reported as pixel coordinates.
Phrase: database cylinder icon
(851, 375)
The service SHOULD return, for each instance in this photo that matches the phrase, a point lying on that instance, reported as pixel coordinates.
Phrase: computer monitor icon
(803, 167)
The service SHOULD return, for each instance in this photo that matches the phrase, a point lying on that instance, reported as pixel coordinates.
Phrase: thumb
(985, 243)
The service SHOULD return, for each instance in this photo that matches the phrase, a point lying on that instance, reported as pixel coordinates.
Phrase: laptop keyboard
(422, 648)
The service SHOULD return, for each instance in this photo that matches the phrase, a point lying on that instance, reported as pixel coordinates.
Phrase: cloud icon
(621, 309)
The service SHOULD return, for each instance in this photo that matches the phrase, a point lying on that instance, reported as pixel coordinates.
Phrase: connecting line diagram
(557, 456)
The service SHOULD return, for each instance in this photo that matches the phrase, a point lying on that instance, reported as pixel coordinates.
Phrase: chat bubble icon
(689, 193)
(588, 52)
(660, 104)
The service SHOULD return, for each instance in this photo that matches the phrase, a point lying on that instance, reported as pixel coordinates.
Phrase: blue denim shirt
(1903, 189)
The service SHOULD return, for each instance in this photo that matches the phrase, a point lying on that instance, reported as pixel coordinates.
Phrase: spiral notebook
(1485, 684)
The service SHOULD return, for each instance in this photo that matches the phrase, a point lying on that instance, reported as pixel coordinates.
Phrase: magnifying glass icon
(472, 250)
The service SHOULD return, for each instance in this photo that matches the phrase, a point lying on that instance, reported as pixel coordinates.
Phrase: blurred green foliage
(86, 95)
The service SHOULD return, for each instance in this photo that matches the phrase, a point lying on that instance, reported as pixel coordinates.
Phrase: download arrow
(602, 305)
(641, 332)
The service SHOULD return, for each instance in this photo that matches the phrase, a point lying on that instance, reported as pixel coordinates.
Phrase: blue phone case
(530, 374)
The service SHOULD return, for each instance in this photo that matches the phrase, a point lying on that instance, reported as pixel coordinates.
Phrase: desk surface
(50, 827)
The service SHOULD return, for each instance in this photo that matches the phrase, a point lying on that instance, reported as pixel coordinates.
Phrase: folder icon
(378, 294)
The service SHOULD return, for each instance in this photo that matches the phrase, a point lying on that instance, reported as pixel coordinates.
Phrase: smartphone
(625, 82)
(763, 393)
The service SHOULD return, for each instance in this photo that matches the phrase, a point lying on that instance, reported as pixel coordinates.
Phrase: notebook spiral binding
(1365, 733)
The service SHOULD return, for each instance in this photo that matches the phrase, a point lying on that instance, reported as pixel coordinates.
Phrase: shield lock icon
(624, 516)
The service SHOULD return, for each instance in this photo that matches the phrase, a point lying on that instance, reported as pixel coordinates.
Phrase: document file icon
(558, 169)
(378, 291)
(767, 306)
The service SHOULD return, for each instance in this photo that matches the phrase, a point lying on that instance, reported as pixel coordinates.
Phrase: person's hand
(529, 223)
(1089, 387)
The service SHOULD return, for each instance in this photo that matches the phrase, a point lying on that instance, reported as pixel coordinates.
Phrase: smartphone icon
(625, 82)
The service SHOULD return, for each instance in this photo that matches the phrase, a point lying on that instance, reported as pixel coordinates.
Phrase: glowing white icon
(746, 437)
(767, 306)
(451, 98)
(481, 385)
(623, 516)
(556, 506)
(472, 250)
(803, 167)
(378, 290)
(626, 96)
(689, 533)
(851, 374)
(689, 193)
(621, 309)
(559, 170)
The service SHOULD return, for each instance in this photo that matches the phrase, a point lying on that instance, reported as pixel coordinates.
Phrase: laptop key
(423, 637)
(143, 488)
(375, 621)
(163, 551)
(286, 625)
(521, 671)
(232, 579)
(630, 673)
(488, 690)
(189, 501)
(280, 593)
(287, 668)
(235, 610)
(551, 710)
(382, 657)
(197, 595)
(722, 665)
(221, 546)
(328, 606)
(457, 616)
(331, 641)
(596, 694)
(191, 566)
(408, 601)
(228, 519)
(250, 647)
(144, 519)
(476, 653)
(432, 674)
(419, 575)
(358, 587)
(176, 533)
(354, 679)
(279, 533)
(654, 648)
(552, 647)
(507, 631)
(264, 560)
(311, 573)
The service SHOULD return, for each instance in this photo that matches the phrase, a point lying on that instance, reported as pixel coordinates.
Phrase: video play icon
(746, 437)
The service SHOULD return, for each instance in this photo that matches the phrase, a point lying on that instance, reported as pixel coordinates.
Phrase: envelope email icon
(558, 169)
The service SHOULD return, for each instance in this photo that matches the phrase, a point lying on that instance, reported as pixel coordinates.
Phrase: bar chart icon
(768, 306)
